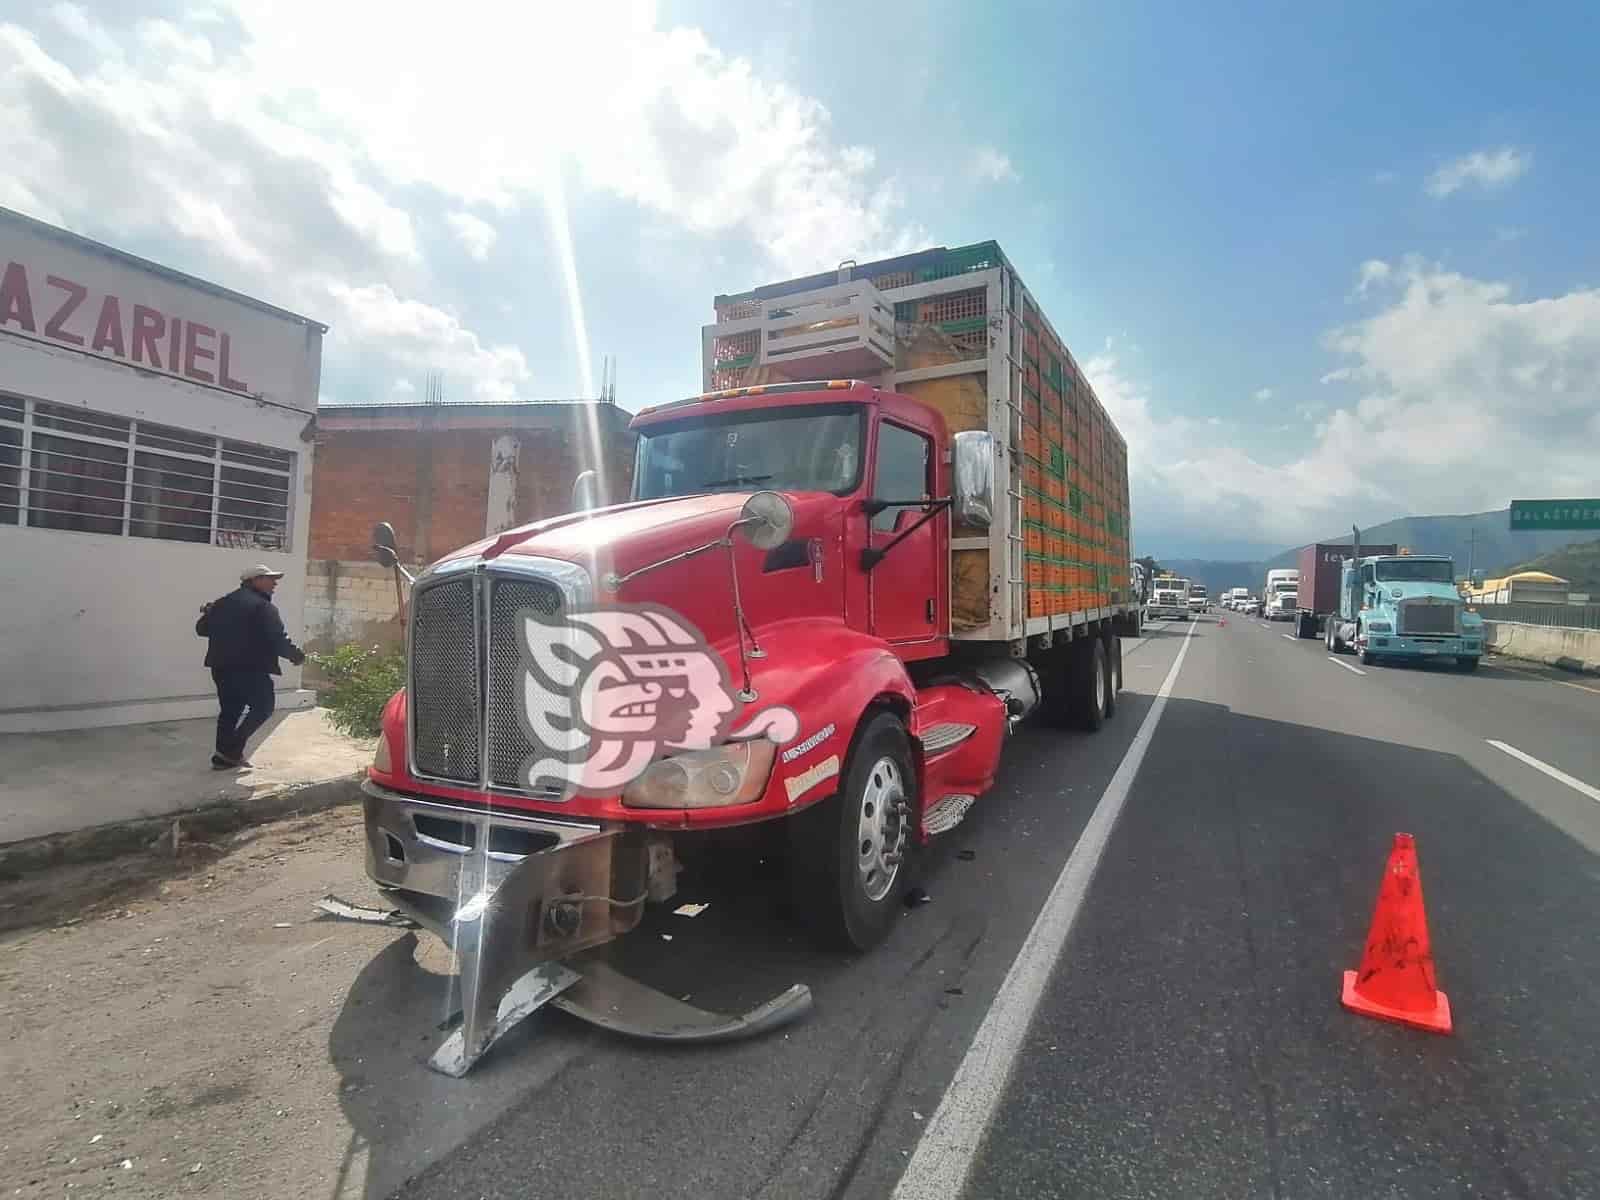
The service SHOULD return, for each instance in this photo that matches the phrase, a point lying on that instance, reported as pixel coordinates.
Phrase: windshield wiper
(737, 479)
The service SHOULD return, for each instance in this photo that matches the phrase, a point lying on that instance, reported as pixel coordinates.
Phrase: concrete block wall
(347, 601)
(1571, 649)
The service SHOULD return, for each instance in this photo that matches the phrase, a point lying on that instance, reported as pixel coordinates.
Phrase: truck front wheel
(850, 861)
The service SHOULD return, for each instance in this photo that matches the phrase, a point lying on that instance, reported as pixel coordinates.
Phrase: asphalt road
(1189, 1040)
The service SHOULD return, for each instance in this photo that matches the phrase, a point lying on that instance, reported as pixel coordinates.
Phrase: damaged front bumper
(514, 897)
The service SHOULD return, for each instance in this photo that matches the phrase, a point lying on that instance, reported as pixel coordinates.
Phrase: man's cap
(257, 572)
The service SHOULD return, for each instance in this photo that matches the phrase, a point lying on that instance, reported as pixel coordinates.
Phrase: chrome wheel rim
(1100, 682)
(881, 828)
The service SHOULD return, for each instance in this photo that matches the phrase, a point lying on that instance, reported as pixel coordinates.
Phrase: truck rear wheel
(1113, 647)
(1467, 662)
(1090, 685)
(851, 858)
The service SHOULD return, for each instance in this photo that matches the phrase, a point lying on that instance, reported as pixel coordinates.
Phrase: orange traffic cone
(1396, 980)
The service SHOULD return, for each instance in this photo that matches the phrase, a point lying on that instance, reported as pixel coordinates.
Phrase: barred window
(70, 468)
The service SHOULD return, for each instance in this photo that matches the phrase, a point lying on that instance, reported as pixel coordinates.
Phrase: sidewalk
(61, 783)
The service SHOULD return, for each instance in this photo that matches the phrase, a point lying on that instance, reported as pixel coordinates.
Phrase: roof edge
(79, 241)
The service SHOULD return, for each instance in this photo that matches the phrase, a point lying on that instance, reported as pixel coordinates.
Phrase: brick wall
(431, 481)
(426, 470)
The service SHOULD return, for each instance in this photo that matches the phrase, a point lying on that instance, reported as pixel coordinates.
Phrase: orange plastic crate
(1032, 475)
(1032, 508)
(1031, 443)
(1030, 409)
(1033, 537)
(1035, 572)
(1036, 605)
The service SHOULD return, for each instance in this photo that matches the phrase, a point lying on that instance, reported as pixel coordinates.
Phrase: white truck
(1237, 598)
(1199, 602)
(1284, 581)
(1170, 598)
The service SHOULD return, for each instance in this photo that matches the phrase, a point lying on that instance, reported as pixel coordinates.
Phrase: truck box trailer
(1321, 567)
(824, 606)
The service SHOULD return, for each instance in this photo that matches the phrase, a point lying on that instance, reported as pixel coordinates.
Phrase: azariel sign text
(1555, 514)
(56, 308)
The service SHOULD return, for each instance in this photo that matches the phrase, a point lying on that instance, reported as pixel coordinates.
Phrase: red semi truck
(1321, 567)
(825, 604)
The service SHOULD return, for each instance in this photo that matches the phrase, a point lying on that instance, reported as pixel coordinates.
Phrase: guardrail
(1553, 616)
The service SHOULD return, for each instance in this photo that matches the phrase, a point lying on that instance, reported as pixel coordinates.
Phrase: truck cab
(1169, 597)
(1199, 602)
(1405, 607)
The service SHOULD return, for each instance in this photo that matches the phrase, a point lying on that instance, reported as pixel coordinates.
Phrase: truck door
(903, 588)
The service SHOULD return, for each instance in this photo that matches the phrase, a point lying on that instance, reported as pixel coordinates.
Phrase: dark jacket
(246, 633)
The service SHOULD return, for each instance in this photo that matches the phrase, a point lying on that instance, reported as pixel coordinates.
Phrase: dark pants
(241, 693)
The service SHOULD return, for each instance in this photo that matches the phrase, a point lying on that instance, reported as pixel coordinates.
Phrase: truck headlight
(380, 758)
(1379, 626)
(735, 773)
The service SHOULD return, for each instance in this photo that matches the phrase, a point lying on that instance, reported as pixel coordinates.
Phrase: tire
(1327, 634)
(1467, 663)
(848, 896)
(1089, 685)
(1113, 676)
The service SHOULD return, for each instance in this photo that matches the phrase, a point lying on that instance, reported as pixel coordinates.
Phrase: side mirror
(586, 491)
(384, 547)
(1478, 577)
(972, 462)
(766, 520)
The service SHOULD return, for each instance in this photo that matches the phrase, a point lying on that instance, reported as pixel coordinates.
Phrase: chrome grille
(1423, 617)
(443, 695)
(509, 746)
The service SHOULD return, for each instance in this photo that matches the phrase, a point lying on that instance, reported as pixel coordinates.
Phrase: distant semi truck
(1278, 596)
(1169, 597)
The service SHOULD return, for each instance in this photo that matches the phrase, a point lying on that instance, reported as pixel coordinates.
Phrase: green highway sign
(1555, 514)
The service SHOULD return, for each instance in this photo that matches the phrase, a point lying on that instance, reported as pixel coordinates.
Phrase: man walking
(246, 640)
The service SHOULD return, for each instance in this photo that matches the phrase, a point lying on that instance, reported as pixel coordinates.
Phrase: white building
(155, 439)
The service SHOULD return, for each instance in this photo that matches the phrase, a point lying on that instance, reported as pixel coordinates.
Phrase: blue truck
(1396, 607)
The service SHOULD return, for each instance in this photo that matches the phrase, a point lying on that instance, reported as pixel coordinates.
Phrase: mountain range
(1484, 540)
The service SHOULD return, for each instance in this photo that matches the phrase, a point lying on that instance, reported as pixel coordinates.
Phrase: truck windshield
(1415, 570)
(812, 449)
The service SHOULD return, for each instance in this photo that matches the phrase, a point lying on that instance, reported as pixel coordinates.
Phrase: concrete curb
(1576, 666)
(101, 842)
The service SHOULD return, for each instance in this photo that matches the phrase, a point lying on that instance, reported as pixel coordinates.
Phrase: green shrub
(360, 681)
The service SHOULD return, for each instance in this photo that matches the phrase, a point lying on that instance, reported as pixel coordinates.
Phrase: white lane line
(1576, 785)
(1340, 663)
(943, 1158)
(1288, 637)
(1580, 686)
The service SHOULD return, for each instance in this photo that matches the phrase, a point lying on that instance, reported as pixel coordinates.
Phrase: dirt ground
(201, 1030)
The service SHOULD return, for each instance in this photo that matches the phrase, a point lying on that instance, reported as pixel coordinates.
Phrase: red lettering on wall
(174, 345)
(193, 350)
(108, 329)
(225, 379)
(53, 328)
(148, 326)
(16, 305)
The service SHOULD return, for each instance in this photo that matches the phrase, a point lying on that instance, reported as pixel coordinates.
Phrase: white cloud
(475, 234)
(1467, 397)
(1487, 168)
(296, 170)
(404, 387)
(1262, 395)
(1373, 271)
(992, 166)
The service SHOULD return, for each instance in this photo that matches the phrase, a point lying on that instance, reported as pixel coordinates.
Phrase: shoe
(221, 762)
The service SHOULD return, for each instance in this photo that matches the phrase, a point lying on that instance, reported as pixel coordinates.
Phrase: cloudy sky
(1323, 268)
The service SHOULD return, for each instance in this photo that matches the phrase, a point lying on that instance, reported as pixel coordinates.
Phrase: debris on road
(916, 896)
(690, 910)
(345, 911)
